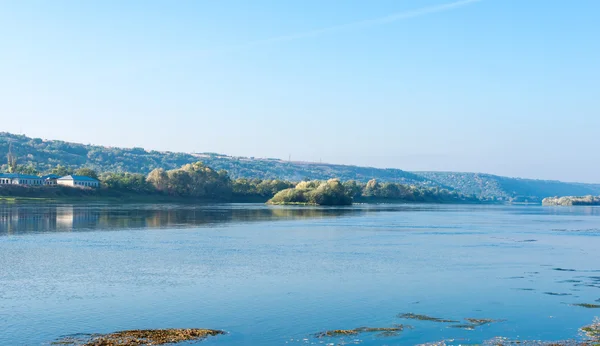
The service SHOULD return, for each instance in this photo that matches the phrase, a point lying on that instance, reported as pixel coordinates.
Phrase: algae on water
(481, 321)
(385, 331)
(139, 337)
(418, 317)
(587, 305)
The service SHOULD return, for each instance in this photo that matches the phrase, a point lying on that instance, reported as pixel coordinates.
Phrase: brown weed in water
(481, 321)
(386, 332)
(592, 331)
(586, 305)
(463, 326)
(474, 323)
(506, 342)
(139, 337)
(412, 316)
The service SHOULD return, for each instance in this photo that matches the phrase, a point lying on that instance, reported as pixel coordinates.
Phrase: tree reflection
(15, 219)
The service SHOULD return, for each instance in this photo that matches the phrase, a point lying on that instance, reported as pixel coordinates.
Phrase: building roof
(18, 176)
(78, 178)
(50, 176)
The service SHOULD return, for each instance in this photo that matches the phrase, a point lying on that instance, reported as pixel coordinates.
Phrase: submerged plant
(500, 341)
(385, 331)
(463, 326)
(139, 337)
(412, 316)
(593, 331)
(474, 323)
(587, 305)
(481, 321)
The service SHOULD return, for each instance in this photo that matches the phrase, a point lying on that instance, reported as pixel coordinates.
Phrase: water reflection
(28, 218)
(16, 219)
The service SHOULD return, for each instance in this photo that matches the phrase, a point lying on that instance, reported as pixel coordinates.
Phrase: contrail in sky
(394, 17)
(356, 25)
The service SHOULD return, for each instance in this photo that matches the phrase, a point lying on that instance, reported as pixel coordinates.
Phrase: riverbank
(56, 194)
(64, 194)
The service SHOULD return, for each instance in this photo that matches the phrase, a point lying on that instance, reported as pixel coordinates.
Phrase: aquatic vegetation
(412, 316)
(564, 270)
(587, 305)
(139, 337)
(474, 323)
(593, 330)
(501, 341)
(590, 333)
(463, 326)
(384, 332)
(481, 321)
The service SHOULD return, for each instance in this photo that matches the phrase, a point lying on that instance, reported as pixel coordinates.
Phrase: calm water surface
(278, 275)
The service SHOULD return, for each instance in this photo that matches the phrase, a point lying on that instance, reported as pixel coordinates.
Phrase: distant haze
(508, 87)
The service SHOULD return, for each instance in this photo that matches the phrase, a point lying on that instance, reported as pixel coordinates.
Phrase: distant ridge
(46, 154)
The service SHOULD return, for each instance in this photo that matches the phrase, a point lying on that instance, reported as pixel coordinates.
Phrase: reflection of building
(26, 219)
(78, 181)
(20, 179)
(71, 217)
(64, 217)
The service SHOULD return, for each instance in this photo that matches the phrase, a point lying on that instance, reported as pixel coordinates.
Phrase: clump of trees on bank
(330, 192)
(572, 200)
(200, 182)
(333, 192)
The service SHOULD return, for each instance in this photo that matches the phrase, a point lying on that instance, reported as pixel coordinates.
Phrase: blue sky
(508, 87)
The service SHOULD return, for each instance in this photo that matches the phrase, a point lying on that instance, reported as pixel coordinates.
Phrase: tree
(353, 189)
(371, 189)
(87, 172)
(331, 192)
(127, 182)
(159, 178)
(61, 171)
(29, 169)
(12, 160)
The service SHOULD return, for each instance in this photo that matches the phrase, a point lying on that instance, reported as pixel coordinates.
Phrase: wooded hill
(37, 155)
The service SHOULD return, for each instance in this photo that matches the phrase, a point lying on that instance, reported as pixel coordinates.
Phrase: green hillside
(39, 155)
(44, 155)
(489, 186)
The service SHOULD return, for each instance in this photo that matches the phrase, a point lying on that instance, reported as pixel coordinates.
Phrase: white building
(20, 179)
(78, 181)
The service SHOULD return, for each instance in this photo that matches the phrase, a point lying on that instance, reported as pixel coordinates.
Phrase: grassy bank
(62, 194)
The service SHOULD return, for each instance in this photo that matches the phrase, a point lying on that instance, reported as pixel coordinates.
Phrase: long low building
(20, 179)
(48, 180)
(78, 181)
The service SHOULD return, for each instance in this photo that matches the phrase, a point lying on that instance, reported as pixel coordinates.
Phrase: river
(279, 275)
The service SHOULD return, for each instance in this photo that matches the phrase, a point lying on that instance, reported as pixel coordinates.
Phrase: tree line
(196, 180)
